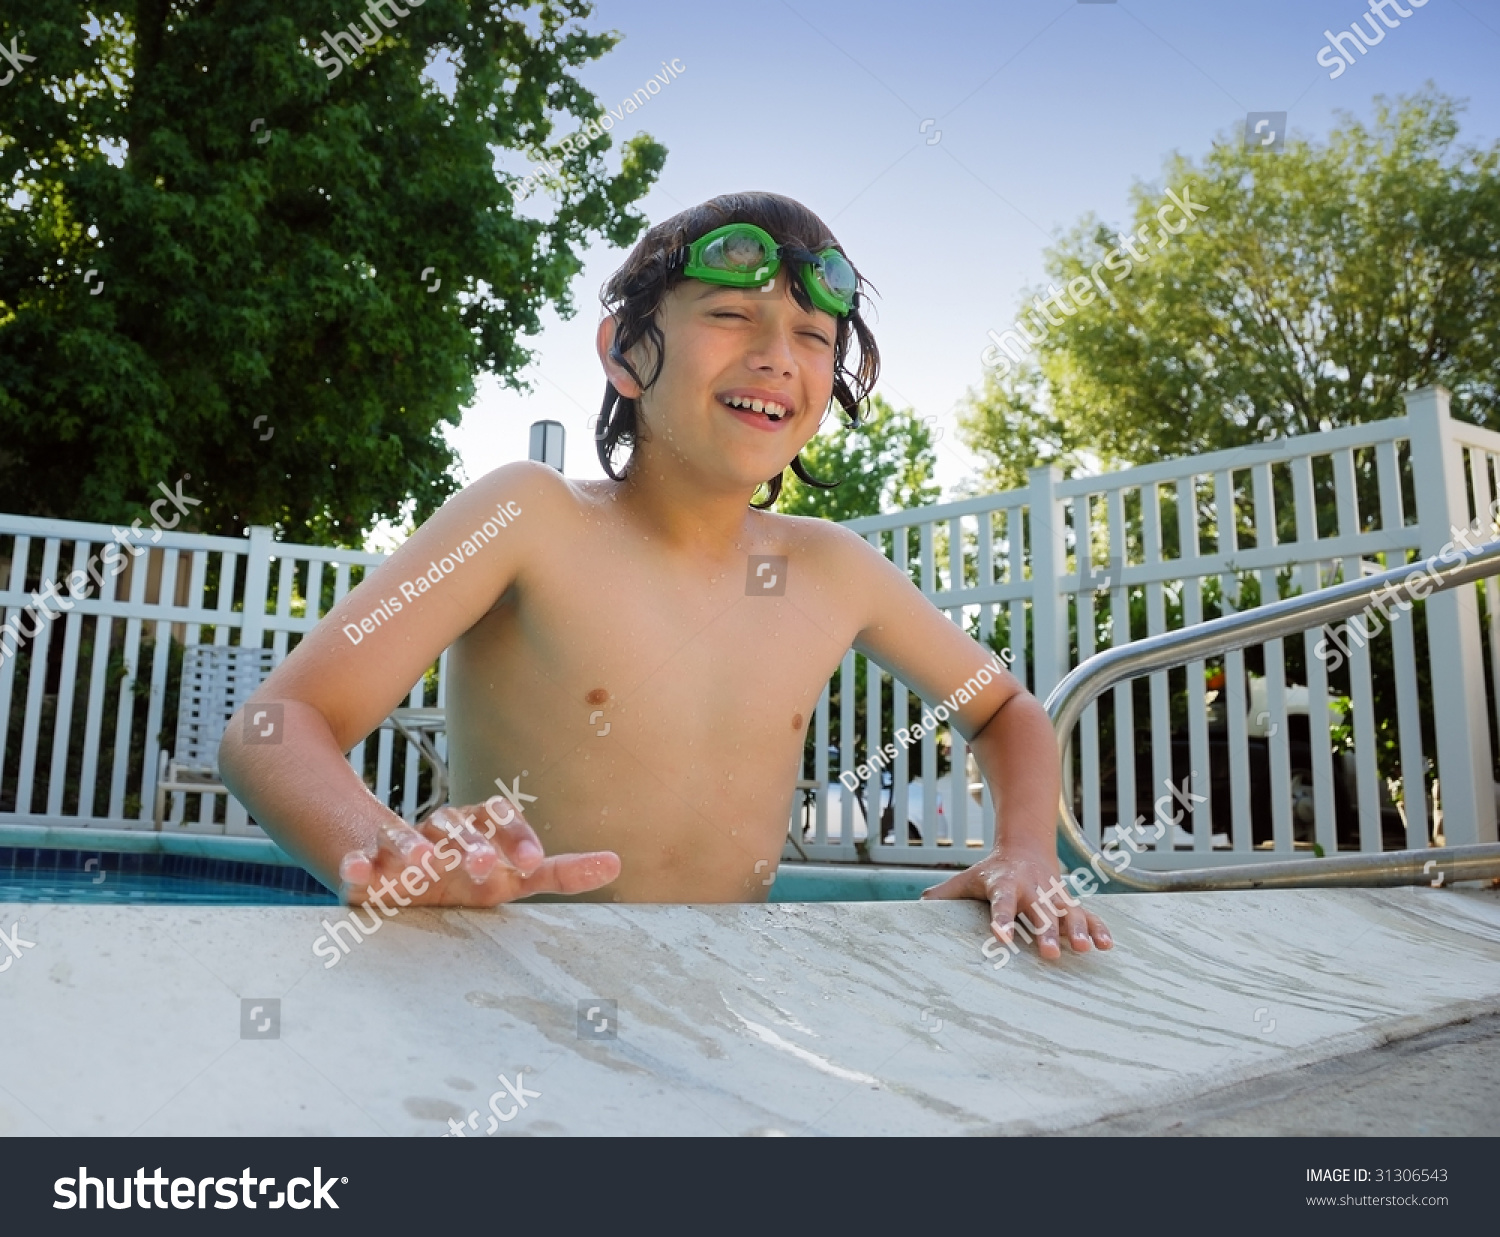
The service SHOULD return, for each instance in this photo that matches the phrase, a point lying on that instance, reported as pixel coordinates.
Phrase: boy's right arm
(334, 692)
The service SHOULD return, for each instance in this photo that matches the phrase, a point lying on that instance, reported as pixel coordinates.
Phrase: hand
(1018, 881)
(471, 856)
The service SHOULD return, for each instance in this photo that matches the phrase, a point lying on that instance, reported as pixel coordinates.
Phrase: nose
(771, 350)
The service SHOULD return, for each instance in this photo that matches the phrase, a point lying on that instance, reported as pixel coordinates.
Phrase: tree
(1316, 287)
(885, 463)
(1011, 427)
(231, 254)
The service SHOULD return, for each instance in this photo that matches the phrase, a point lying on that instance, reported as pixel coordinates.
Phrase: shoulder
(531, 493)
(525, 481)
(832, 550)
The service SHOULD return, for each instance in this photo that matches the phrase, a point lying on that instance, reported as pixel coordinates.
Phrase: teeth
(772, 410)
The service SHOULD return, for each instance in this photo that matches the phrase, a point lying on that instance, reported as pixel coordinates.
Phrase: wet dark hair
(654, 267)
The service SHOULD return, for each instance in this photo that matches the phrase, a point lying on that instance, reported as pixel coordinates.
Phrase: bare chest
(707, 669)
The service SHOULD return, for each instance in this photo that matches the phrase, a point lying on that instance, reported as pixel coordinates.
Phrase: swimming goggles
(741, 255)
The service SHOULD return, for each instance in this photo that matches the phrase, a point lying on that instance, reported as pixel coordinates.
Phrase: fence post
(252, 630)
(1459, 709)
(257, 584)
(1049, 606)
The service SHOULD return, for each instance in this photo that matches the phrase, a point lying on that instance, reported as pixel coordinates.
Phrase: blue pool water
(33, 875)
(826, 882)
(55, 875)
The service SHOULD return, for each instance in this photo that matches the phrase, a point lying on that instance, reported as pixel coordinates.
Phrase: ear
(619, 377)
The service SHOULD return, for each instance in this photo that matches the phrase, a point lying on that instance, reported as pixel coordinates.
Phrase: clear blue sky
(1047, 110)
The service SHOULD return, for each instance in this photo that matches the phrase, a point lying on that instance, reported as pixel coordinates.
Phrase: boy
(624, 662)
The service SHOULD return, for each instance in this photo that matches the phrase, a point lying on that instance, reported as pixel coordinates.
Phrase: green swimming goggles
(741, 255)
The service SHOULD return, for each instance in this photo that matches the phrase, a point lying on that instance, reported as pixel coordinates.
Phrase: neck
(684, 511)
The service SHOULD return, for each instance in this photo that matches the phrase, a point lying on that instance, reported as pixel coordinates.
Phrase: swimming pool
(162, 876)
(29, 874)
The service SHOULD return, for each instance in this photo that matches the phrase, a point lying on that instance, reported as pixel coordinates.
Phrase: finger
(1046, 939)
(1078, 932)
(356, 869)
(572, 873)
(400, 844)
(960, 885)
(356, 874)
(1003, 912)
(1099, 932)
(457, 824)
(516, 839)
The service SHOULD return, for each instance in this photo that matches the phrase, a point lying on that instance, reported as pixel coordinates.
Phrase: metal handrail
(1099, 673)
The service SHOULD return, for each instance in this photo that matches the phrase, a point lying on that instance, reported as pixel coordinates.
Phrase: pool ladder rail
(1293, 616)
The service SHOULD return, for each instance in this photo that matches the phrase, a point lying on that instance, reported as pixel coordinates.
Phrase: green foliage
(277, 271)
(1319, 285)
(885, 463)
(1009, 424)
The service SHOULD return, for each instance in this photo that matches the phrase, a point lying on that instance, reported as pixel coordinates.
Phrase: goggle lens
(738, 251)
(837, 275)
(744, 256)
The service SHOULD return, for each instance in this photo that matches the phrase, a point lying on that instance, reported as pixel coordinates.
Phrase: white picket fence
(81, 748)
(88, 755)
(1170, 532)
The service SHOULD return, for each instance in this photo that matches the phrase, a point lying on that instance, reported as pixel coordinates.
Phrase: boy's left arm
(1013, 744)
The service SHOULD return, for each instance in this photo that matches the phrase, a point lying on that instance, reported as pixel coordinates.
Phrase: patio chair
(216, 680)
(420, 727)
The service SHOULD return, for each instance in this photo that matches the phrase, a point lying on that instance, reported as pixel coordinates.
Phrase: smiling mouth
(766, 408)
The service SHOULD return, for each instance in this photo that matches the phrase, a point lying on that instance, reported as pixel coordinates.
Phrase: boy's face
(727, 349)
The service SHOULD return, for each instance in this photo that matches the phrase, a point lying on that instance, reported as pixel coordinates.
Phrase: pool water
(32, 875)
(827, 882)
(153, 879)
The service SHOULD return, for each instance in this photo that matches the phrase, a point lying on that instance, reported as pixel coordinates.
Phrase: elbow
(256, 724)
(1018, 702)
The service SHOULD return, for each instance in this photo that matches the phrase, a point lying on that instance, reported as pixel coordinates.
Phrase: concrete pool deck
(815, 1018)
